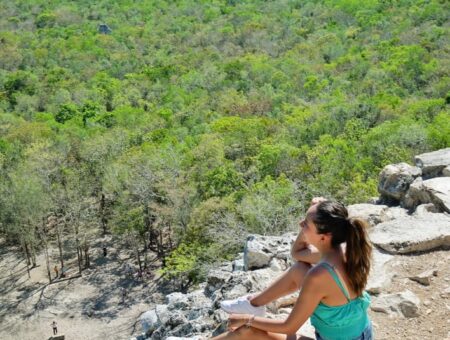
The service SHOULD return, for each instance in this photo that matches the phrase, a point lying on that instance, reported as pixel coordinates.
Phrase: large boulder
(433, 163)
(149, 321)
(446, 171)
(435, 190)
(438, 190)
(412, 233)
(259, 250)
(415, 195)
(394, 181)
(369, 212)
(379, 276)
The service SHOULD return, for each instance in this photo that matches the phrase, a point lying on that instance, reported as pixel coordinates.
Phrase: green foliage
(439, 131)
(184, 265)
(195, 123)
(46, 19)
(66, 112)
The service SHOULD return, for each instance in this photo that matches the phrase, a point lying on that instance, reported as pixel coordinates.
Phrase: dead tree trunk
(58, 237)
(103, 218)
(24, 248)
(87, 262)
(79, 253)
(43, 236)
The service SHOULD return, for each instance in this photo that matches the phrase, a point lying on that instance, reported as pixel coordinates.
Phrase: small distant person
(56, 271)
(55, 327)
(105, 251)
(63, 272)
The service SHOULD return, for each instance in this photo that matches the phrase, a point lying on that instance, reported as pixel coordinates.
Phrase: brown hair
(332, 217)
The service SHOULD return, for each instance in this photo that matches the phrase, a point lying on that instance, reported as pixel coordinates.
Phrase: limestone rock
(379, 276)
(256, 252)
(177, 301)
(425, 209)
(404, 303)
(395, 179)
(424, 277)
(369, 212)
(446, 171)
(393, 213)
(262, 278)
(259, 250)
(238, 263)
(410, 234)
(415, 195)
(432, 163)
(438, 190)
(278, 265)
(307, 330)
(216, 279)
(149, 321)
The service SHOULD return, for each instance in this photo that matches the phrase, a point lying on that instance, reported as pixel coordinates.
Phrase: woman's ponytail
(358, 254)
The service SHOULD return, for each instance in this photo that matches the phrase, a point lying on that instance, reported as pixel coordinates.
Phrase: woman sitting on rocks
(332, 291)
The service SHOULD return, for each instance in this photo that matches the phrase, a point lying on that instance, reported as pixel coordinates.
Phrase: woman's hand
(237, 320)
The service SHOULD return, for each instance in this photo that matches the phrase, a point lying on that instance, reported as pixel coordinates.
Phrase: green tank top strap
(333, 273)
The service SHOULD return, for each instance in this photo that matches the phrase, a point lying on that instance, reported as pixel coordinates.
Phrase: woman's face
(309, 228)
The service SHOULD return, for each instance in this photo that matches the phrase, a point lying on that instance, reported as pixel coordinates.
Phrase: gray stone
(446, 171)
(379, 276)
(415, 195)
(257, 254)
(177, 301)
(404, 303)
(162, 313)
(176, 319)
(424, 277)
(433, 163)
(278, 265)
(216, 279)
(262, 278)
(259, 250)
(410, 234)
(285, 301)
(393, 213)
(149, 321)
(369, 212)
(307, 330)
(425, 209)
(238, 265)
(438, 190)
(198, 298)
(395, 179)
(237, 291)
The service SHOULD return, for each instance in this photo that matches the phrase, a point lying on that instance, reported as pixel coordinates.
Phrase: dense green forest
(186, 125)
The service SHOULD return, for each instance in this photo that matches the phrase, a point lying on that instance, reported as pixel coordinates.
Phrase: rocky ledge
(411, 215)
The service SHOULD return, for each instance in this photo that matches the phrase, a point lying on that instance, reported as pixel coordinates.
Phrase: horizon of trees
(194, 123)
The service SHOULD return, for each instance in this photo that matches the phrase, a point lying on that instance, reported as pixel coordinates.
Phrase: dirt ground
(87, 307)
(433, 321)
(91, 306)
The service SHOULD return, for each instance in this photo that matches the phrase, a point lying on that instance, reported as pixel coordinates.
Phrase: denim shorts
(367, 334)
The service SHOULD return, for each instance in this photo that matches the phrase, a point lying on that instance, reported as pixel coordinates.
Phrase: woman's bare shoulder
(317, 273)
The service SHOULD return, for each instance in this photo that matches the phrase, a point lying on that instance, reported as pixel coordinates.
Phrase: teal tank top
(342, 322)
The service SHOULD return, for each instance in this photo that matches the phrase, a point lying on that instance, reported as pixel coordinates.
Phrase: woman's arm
(304, 252)
(308, 254)
(311, 294)
(301, 250)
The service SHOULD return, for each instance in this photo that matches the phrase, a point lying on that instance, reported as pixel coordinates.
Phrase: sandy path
(88, 307)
